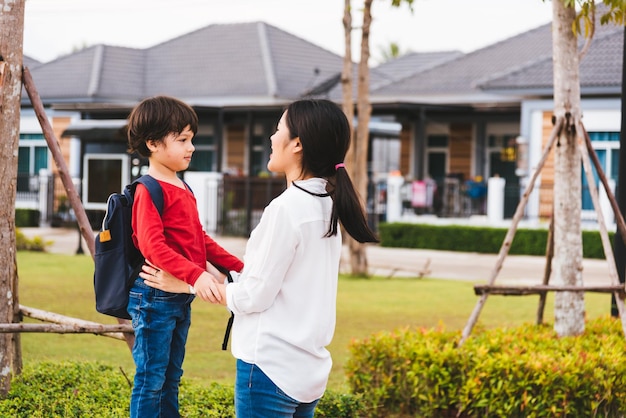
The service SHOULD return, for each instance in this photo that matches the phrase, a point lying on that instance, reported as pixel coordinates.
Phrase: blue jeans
(256, 396)
(161, 322)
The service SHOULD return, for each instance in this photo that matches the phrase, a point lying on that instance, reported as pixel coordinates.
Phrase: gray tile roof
(600, 70)
(256, 64)
(461, 80)
(30, 62)
(331, 87)
(414, 62)
(97, 73)
(220, 65)
(459, 76)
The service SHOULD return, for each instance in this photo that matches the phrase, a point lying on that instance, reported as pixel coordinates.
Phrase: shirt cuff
(235, 276)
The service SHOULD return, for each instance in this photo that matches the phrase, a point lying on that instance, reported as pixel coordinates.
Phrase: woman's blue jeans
(161, 322)
(256, 396)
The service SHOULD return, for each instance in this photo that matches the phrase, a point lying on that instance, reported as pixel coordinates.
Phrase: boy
(162, 128)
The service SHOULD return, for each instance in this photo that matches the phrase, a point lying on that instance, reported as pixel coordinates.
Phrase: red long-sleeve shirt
(176, 242)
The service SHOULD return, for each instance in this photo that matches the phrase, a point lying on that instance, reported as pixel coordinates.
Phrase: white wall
(598, 115)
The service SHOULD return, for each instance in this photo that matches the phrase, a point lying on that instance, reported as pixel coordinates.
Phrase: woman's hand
(162, 280)
(221, 283)
(208, 288)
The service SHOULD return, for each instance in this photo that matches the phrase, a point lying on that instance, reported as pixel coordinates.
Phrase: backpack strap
(154, 188)
(188, 187)
(229, 325)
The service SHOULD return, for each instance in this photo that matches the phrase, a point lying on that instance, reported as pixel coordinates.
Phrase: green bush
(23, 243)
(335, 405)
(214, 401)
(519, 372)
(71, 389)
(477, 239)
(406, 372)
(26, 218)
(67, 390)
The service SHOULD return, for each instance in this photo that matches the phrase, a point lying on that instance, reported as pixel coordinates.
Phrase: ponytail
(348, 209)
(324, 132)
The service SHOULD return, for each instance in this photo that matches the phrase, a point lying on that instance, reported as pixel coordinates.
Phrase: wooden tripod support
(67, 324)
(615, 287)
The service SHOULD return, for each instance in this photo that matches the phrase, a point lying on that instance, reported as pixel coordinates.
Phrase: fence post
(394, 197)
(44, 178)
(495, 199)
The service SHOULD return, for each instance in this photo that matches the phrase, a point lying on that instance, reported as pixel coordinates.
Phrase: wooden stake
(69, 321)
(619, 219)
(604, 235)
(81, 216)
(64, 328)
(506, 244)
(547, 271)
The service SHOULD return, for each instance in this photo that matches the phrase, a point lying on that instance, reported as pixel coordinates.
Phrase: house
(445, 117)
(601, 84)
(472, 115)
(238, 78)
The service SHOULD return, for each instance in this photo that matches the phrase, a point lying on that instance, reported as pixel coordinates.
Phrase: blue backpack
(117, 260)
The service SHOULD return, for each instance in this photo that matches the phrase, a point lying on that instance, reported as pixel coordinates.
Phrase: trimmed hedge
(477, 239)
(26, 218)
(72, 389)
(526, 371)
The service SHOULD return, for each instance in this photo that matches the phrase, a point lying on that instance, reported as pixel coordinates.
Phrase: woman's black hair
(324, 133)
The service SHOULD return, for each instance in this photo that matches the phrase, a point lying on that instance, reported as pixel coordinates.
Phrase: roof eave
(449, 99)
(549, 91)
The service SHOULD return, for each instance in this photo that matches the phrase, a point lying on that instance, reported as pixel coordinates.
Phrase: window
(385, 156)
(104, 174)
(32, 156)
(205, 156)
(437, 157)
(606, 145)
(260, 148)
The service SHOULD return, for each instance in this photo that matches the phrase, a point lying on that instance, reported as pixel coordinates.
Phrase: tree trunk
(346, 82)
(358, 256)
(569, 307)
(356, 158)
(11, 59)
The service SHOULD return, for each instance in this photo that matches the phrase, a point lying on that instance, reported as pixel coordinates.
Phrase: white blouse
(284, 300)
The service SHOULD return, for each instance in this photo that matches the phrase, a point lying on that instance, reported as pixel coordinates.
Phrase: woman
(284, 300)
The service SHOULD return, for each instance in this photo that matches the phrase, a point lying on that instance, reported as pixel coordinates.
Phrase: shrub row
(26, 218)
(477, 239)
(72, 389)
(519, 372)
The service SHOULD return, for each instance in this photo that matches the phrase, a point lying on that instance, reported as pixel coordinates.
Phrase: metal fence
(36, 192)
(243, 200)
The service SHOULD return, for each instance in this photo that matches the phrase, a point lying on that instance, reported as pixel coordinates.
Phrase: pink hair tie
(338, 166)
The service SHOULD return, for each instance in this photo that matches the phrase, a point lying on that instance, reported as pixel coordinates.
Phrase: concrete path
(396, 262)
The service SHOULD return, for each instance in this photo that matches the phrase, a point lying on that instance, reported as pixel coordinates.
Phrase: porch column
(44, 179)
(419, 146)
(75, 160)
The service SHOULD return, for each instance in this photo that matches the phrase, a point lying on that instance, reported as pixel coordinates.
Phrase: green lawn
(64, 284)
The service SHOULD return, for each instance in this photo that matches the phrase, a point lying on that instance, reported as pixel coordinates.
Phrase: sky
(57, 27)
